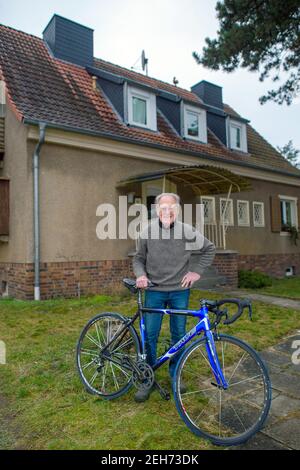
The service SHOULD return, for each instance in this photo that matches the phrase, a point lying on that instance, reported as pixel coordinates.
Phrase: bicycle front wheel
(107, 372)
(225, 417)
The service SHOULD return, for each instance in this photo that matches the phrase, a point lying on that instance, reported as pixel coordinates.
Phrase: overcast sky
(169, 31)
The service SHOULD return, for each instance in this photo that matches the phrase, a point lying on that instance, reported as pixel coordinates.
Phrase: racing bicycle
(227, 391)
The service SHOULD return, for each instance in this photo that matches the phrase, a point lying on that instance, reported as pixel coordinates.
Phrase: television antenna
(144, 61)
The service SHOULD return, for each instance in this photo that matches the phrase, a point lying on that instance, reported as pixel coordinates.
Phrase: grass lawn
(43, 404)
(288, 287)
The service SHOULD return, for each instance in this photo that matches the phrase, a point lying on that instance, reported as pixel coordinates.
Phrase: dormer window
(237, 136)
(142, 108)
(195, 123)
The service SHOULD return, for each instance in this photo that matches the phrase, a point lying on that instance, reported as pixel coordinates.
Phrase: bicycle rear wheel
(225, 417)
(107, 373)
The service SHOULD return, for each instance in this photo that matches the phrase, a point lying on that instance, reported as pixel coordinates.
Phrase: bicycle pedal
(163, 393)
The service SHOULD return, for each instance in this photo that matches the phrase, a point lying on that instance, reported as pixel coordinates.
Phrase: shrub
(254, 279)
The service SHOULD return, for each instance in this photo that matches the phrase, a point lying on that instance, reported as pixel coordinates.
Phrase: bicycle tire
(112, 388)
(201, 400)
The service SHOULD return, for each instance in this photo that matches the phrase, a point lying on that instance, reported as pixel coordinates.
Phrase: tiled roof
(145, 80)
(42, 88)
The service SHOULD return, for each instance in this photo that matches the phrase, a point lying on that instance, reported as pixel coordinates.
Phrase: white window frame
(202, 126)
(150, 99)
(243, 131)
(262, 205)
(230, 202)
(294, 210)
(211, 198)
(240, 223)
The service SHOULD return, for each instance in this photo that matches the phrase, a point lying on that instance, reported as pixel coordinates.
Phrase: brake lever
(225, 313)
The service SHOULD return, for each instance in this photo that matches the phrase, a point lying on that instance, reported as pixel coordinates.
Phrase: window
(4, 207)
(243, 213)
(195, 123)
(192, 124)
(139, 110)
(258, 214)
(288, 213)
(142, 108)
(226, 211)
(208, 209)
(237, 136)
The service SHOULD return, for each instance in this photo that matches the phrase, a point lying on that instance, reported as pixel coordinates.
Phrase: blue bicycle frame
(203, 325)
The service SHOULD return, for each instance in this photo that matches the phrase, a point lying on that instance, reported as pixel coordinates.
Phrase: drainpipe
(36, 215)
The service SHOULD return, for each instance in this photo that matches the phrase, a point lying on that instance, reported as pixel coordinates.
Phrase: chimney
(210, 93)
(212, 96)
(70, 41)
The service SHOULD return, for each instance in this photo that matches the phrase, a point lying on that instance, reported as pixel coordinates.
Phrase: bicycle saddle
(130, 284)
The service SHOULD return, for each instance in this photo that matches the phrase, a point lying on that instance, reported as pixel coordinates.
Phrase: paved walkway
(282, 428)
(268, 299)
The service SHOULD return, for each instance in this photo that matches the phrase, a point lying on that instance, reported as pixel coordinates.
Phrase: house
(76, 131)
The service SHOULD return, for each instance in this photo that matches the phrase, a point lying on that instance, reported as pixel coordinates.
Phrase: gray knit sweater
(167, 255)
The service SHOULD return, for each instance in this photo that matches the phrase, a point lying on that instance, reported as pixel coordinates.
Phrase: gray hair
(173, 195)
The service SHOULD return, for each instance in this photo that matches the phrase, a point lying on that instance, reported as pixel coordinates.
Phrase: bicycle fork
(214, 361)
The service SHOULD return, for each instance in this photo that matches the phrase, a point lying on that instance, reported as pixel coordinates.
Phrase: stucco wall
(260, 240)
(74, 182)
(16, 169)
(72, 185)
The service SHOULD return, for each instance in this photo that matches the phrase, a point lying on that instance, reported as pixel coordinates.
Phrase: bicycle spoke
(93, 340)
(89, 352)
(88, 364)
(114, 376)
(98, 335)
(237, 415)
(245, 380)
(94, 377)
(238, 364)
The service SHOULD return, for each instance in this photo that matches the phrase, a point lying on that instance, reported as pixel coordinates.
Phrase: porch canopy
(202, 179)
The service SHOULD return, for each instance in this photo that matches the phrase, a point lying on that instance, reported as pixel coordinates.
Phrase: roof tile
(43, 88)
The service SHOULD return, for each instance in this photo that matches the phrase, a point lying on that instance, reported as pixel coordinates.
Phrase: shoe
(143, 394)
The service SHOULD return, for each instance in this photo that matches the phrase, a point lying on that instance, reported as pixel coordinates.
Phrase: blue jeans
(153, 321)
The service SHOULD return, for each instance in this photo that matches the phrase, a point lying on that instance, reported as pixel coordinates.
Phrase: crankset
(142, 376)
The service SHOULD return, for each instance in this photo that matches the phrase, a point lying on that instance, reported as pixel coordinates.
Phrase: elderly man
(173, 264)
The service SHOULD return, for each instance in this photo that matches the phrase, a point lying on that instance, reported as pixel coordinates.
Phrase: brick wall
(226, 263)
(66, 279)
(274, 265)
(71, 279)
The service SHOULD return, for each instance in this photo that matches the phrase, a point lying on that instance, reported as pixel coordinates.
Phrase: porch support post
(223, 217)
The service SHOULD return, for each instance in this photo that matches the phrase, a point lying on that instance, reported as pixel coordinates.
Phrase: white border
(241, 224)
(202, 125)
(295, 200)
(212, 198)
(230, 201)
(242, 127)
(262, 205)
(150, 99)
